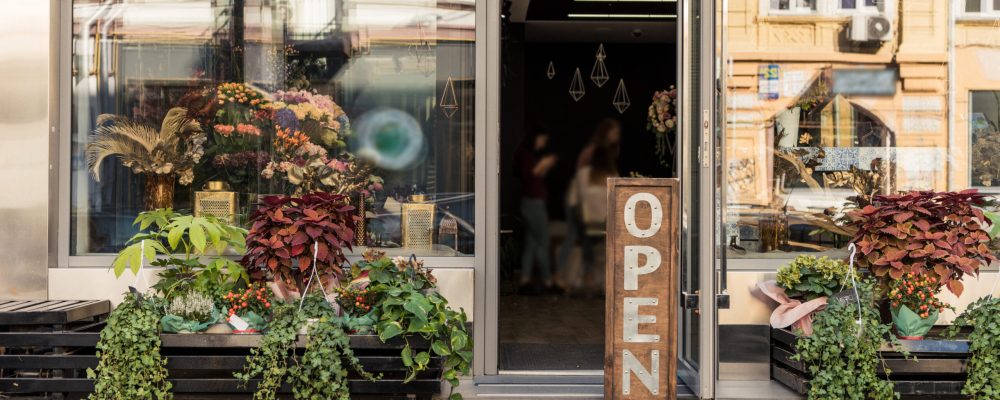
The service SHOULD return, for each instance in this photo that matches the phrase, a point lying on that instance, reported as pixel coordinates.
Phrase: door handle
(689, 301)
(706, 138)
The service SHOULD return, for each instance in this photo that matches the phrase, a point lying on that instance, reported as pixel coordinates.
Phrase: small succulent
(192, 306)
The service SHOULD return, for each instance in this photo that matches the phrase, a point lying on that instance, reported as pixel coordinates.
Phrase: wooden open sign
(640, 360)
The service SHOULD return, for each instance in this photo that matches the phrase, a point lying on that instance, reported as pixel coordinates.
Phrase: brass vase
(159, 191)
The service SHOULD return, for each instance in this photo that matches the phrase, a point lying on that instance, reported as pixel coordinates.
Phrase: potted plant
(802, 288)
(182, 243)
(407, 303)
(249, 305)
(914, 305)
(190, 312)
(293, 237)
(808, 278)
(922, 232)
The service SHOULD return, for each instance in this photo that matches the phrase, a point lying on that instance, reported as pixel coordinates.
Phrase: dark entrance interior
(572, 70)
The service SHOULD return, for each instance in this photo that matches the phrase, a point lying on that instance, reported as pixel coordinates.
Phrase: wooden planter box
(56, 362)
(938, 372)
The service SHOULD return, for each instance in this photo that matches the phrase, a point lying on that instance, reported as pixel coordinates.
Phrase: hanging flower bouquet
(662, 121)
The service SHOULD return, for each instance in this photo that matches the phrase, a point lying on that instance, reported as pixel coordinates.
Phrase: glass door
(696, 352)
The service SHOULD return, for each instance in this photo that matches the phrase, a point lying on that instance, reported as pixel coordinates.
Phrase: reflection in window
(368, 98)
(793, 5)
(984, 128)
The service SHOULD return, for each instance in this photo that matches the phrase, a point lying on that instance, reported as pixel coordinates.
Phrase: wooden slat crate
(197, 363)
(937, 370)
(52, 315)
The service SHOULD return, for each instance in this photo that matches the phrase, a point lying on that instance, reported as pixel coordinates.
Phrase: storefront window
(218, 103)
(823, 114)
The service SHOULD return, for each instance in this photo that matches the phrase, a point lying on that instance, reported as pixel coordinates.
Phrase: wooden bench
(937, 372)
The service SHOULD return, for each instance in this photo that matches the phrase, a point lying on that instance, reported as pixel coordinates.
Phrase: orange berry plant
(255, 298)
(918, 292)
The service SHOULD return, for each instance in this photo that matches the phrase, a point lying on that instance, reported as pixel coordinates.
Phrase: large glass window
(823, 114)
(205, 106)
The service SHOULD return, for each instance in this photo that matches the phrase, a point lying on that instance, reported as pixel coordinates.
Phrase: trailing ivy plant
(269, 360)
(842, 355)
(983, 368)
(129, 362)
(407, 304)
(320, 373)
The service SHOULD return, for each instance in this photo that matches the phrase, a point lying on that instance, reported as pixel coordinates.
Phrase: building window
(862, 5)
(984, 131)
(269, 88)
(793, 6)
(982, 7)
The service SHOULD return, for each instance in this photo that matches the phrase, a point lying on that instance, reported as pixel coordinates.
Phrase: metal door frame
(487, 122)
(701, 378)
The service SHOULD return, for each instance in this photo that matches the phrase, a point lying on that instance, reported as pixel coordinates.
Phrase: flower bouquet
(163, 154)
(314, 114)
(662, 122)
(914, 304)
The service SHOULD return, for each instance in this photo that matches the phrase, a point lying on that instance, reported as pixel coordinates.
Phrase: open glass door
(696, 352)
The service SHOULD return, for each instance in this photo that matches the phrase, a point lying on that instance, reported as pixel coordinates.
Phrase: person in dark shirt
(532, 162)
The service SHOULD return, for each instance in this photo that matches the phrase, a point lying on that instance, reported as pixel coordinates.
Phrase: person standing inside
(532, 162)
(586, 199)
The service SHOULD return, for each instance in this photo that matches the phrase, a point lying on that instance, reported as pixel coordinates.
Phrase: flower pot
(159, 191)
(304, 330)
(909, 325)
(219, 329)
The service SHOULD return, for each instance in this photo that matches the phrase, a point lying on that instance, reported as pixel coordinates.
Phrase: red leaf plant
(284, 231)
(924, 232)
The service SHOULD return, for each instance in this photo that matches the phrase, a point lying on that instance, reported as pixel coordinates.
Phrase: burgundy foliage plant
(284, 231)
(924, 232)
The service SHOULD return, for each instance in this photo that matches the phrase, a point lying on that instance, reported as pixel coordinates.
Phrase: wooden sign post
(640, 360)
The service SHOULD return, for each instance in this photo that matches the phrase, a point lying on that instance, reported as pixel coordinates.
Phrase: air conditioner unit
(869, 28)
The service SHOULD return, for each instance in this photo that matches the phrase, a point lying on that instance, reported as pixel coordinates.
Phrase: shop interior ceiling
(588, 21)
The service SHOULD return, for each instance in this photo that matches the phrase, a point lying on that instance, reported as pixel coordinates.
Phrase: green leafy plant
(842, 355)
(129, 362)
(940, 233)
(407, 304)
(808, 277)
(183, 240)
(983, 367)
(286, 231)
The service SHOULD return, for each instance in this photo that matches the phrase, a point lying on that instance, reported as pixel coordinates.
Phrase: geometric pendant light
(599, 73)
(576, 89)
